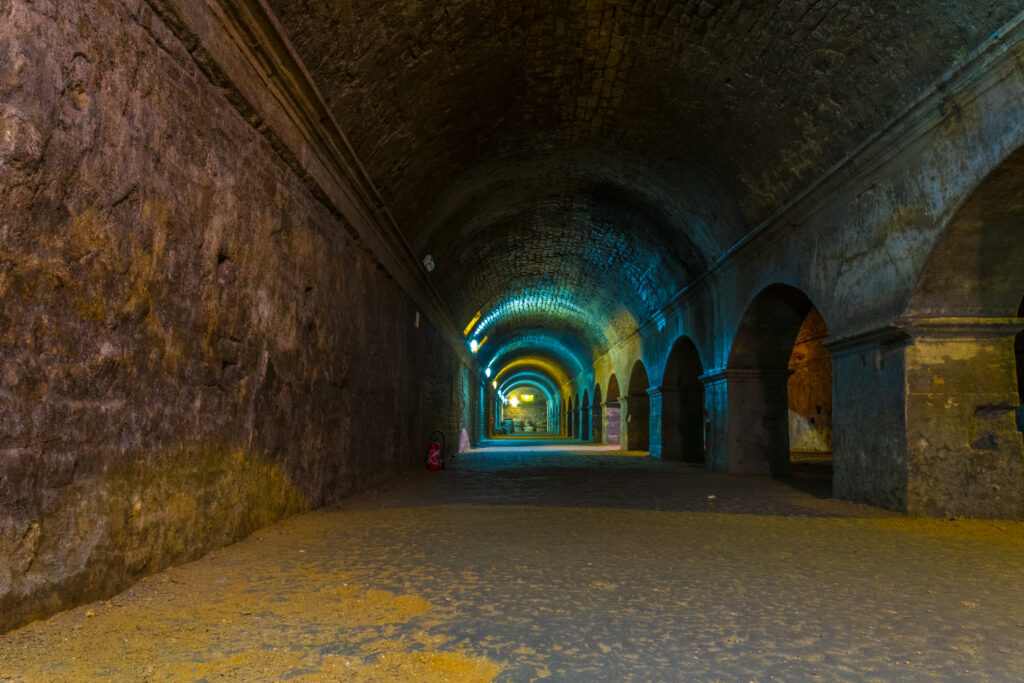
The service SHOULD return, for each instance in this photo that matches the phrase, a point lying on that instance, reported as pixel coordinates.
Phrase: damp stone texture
(191, 345)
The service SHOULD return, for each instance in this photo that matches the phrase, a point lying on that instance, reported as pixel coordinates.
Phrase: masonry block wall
(191, 345)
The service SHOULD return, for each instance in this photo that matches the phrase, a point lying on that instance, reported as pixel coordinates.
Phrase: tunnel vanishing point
(253, 252)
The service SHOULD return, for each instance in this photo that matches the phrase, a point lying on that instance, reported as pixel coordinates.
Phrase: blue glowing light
(533, 303)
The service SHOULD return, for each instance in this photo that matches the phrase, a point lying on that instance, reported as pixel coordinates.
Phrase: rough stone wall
(191, 346)
(965, 454)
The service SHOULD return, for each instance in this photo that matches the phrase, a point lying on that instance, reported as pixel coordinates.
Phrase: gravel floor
(561, 563)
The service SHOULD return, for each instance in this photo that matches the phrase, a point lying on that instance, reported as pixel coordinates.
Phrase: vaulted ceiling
(572, 165)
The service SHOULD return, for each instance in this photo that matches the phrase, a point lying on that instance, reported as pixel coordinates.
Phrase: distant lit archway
(781, 383)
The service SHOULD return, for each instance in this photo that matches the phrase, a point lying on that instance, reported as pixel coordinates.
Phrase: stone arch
(613, 414)
(682, 404)
(963, 449)
(585, 432)
(778, 347)
(596, 413)
(974, 268)
(638, 410)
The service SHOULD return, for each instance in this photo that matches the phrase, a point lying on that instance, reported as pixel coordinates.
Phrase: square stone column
(612, 418)
(965, 454)
(624, 422)
(749, 431)
(869, 427)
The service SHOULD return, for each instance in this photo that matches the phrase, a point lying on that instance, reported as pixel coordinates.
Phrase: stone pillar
(749, 421)
(613, 422)
(869, 427)
(664, 423)
(965, 455)
(623, 422)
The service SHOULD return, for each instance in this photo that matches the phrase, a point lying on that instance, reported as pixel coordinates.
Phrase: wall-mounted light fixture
(475, 345)
(469, 327)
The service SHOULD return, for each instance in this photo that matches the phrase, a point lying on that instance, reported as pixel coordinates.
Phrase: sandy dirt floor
(565, 564)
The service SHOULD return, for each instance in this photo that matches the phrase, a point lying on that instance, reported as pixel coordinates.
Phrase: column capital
(886, 336)
(961, 328)
(742, 374)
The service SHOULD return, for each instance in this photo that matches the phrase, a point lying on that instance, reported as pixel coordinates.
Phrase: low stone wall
(191, 344)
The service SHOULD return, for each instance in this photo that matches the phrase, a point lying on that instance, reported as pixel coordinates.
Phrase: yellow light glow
(494, 384)
(475, 345)
(526, 397)
(514, 401)
(472, 323)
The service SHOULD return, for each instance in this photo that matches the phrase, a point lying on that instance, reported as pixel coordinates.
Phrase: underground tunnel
(254, 252)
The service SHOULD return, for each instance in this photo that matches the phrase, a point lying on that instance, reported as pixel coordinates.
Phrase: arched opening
(809, 390)
(585, 417)
(638, 410)
(525, 411)
(682, 412)
(613, 414)
(596, 420)
(780, 383)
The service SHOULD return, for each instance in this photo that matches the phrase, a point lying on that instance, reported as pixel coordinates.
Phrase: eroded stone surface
(191, 345)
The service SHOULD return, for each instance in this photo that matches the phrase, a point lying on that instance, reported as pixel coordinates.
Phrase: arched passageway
(613, 415)
(809, 392)
(778, 348)
(596, 417)
(638, 410)
(585, 417)
(526, 411)
(682, 404)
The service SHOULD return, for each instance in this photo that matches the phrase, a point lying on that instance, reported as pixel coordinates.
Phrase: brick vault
(254, 252)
